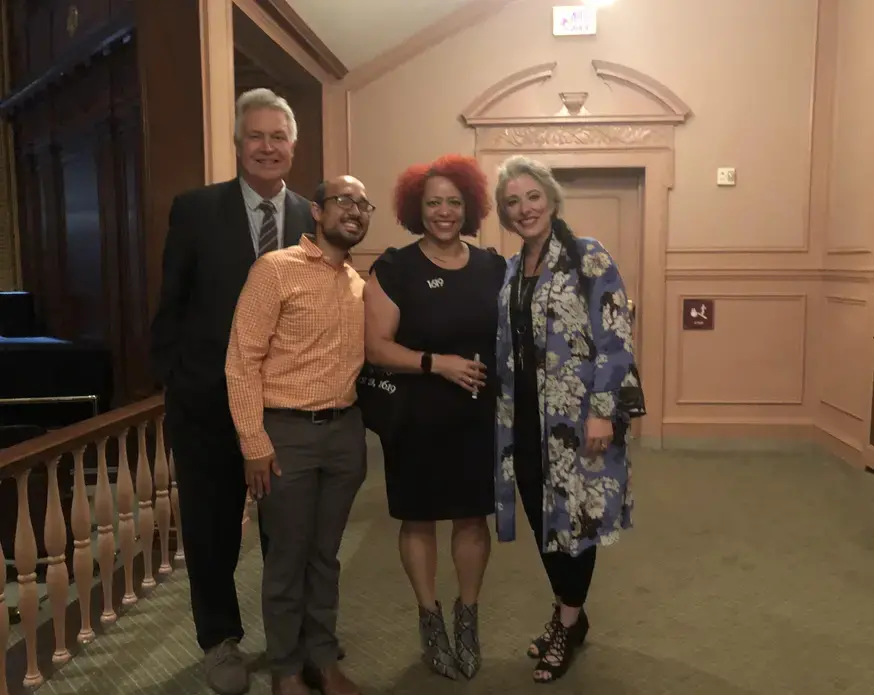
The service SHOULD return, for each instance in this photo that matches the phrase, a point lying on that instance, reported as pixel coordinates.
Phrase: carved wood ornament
(575, 128)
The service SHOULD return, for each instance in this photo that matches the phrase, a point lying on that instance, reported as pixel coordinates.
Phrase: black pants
(570, 577)
(212, 498)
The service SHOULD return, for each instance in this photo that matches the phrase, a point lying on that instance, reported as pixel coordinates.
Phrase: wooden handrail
(40, 449)
(142, 479)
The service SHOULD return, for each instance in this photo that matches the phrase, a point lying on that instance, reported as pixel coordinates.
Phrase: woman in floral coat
(566, 367)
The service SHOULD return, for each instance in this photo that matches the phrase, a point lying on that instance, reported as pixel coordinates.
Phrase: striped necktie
(268, 240)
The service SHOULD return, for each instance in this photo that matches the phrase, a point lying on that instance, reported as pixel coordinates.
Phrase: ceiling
(358, 30)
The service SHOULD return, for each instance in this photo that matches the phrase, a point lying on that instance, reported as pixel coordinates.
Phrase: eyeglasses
(347, 202)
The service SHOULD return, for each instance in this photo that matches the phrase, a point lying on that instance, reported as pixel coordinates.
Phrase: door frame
(604, 142)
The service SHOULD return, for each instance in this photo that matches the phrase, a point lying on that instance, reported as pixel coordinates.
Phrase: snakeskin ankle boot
(467, 647)
(436, 650)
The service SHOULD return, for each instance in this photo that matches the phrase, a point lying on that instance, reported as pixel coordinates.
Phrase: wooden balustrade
(152, 485)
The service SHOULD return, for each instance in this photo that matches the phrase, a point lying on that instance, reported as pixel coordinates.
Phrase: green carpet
(747, 573)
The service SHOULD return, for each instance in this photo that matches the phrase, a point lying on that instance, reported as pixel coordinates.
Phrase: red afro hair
(464, 172)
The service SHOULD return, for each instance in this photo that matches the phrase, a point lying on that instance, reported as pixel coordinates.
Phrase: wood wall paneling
(10, 273)
(171, 83)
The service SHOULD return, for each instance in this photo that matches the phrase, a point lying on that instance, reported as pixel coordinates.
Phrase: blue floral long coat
(585, 351)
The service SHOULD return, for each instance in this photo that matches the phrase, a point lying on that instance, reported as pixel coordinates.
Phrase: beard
(341, 238)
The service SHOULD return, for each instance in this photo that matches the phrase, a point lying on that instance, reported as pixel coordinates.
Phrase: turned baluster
(177, 518)
(147, 513)
(103, 513)
(83, 558)
(126, 531)
(25, 562)
(162, 497)
(57, 576)
(4, 624)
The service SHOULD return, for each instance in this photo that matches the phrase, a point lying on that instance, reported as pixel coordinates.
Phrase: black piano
(46, 382)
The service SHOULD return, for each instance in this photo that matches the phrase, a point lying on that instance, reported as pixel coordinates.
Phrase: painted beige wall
(777, 90)
(772, 96)
(731, 62)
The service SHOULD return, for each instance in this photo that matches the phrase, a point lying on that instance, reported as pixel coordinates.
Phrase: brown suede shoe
(332, 681)
(289, 685)
(225, 669)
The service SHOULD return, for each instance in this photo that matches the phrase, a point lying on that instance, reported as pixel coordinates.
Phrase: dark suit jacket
(207, 256)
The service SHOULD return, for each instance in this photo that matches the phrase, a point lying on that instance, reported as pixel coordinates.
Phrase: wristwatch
(427, 359)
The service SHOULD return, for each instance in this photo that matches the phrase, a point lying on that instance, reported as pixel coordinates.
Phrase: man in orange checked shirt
(296, 348)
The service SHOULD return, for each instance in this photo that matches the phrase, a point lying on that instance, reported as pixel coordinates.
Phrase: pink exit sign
(574, 20)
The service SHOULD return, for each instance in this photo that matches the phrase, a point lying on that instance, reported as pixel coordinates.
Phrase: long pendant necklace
(524, 297)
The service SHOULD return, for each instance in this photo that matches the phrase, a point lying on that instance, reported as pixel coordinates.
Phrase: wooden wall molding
(744, 274)
(217, 67)
(633, 126)
(731, 421)
(783, 274)
(842, 299)
(643, 83)
(747, 296)
(846, 443)
(299, 30)
(283, 35)
(848, 251)
(845, 300)
(503, 88)
(803, 248)
(574, 134)
(844, 411)
(863, 275)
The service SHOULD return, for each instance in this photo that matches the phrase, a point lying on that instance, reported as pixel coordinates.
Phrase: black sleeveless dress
(440, 464)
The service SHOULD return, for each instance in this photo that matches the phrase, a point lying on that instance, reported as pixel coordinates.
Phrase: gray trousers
(305, 514)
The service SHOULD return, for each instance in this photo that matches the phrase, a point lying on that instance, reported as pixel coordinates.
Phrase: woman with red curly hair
(431, 315)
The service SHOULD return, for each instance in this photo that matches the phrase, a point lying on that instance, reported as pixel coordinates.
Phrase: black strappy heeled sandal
(539, 645)
(557, 659)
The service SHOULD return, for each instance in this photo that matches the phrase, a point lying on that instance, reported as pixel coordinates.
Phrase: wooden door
(607, 205)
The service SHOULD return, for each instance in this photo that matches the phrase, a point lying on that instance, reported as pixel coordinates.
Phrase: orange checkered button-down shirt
(297, 340)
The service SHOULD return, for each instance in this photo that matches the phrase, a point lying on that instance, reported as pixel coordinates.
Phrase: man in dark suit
(215, 235)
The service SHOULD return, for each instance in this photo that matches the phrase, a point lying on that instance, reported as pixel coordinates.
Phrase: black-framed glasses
(347, 202)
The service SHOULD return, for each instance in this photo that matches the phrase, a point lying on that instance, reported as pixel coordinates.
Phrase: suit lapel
(239, 237)
(294, 225)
